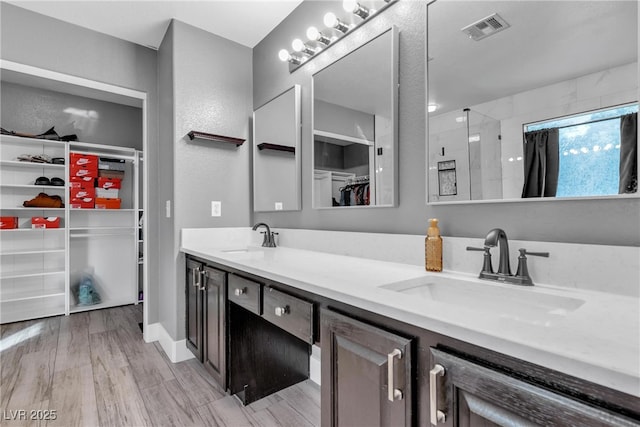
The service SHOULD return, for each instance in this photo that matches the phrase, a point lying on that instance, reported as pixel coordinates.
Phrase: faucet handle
(486, 264)
(523, 271)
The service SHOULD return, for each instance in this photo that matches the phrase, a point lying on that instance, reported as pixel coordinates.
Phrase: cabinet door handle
(394, 393)
(204, 280)
(281, 311)
(437, 416)
(196, 278)
(238, 292)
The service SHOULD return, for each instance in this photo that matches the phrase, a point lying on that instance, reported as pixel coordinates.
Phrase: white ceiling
(145, 21)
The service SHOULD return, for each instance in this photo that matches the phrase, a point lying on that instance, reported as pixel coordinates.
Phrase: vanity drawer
(289, 313)
(245, 293)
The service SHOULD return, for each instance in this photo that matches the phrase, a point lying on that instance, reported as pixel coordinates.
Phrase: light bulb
(284, 55)
(330, 19)
(297, 45)
(350, 5)
(312, 33)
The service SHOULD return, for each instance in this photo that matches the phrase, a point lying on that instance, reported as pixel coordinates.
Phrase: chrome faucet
(269, 240)
(497, 237)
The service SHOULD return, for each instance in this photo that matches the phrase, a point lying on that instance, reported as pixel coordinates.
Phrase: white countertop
(599, 341)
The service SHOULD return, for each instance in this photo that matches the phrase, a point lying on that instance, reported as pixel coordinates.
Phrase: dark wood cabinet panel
(193, 299)
(214, 315)
(472, 395)
(289, 313)
(246, 293)
(359, 362)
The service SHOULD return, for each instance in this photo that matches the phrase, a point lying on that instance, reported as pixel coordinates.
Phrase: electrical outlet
(278, 206)
(167, 207)
(216, 208)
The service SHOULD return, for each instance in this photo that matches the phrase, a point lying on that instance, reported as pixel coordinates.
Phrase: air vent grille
(486, 27)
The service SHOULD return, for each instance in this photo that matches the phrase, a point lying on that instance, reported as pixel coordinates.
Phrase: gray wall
(581, 221)
(33, 39)
(166, 235)
(212, 91)
(107, 123)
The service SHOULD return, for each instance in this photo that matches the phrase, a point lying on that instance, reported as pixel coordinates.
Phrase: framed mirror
(532, 99)
(355, 102)
(276, 153)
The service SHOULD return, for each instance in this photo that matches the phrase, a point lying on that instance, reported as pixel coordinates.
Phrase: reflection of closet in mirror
(276, 153)
(354, 127)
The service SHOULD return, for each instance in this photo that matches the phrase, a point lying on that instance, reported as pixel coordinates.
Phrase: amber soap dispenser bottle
(433, 247)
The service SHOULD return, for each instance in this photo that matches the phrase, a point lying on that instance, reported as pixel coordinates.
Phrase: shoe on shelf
(59, 182)
(43, 180)
(43, 200)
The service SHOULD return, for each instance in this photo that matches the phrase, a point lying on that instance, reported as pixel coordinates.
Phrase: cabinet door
(194, 308)
(468, 394)
(214, 293)
(356, 374)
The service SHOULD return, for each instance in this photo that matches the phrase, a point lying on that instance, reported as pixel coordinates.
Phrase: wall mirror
(531, 99)
(276, 153)
(355, 127)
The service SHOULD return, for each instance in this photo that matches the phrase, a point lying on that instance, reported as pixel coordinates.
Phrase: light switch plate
(167, 207)
(278, 206)
(216, 208)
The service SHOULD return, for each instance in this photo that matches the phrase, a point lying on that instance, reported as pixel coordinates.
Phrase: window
(589, 151)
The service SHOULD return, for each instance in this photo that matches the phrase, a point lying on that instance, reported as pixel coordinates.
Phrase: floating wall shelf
(218, 138)
(277, 147)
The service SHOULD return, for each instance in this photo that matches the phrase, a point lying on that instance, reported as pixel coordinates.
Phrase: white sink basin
(246, 252)
(524, 304)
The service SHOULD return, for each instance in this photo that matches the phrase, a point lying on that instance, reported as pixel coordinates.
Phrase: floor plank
(118, 399)
(32, 383)
(168, 406)
(106, 351)
(73, 342)
(73, 398)
(226, 412)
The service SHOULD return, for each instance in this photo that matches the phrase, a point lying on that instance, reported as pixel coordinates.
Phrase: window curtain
(541, 160)
(628, 153)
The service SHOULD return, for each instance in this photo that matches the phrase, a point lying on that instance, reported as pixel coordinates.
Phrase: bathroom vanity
(409, 360)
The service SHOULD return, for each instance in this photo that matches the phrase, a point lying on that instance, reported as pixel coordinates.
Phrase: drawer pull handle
(394, 393)
(437, 416)
(239, 292)
(195, 278)
(281, 311)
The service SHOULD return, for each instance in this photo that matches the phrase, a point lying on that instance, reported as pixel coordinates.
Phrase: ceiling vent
(486, 27)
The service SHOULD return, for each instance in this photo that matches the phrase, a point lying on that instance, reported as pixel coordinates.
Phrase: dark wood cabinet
(366, 374)
(214, 322)
(206, 325)
(193, 305)
(464, 393)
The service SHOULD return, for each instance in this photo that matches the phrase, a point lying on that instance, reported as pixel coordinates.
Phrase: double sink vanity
(412, 347)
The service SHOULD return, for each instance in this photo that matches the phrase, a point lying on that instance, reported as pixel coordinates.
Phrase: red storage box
(45, 222)
(91, 172)
(82, 182)
(104, 203)
(109, 183)
(81, 193)
(8, 222)
(83, 203)
(86, 161)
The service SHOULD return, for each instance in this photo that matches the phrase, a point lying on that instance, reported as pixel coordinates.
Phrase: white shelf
(38, 252)
(123, 228)
(16, 298)
(24, 274)
(101, 210)
(10, 139)
(19, 310)
(32, 230)
(32, 186)
(29, 165)
(104, 304)
(22, 208)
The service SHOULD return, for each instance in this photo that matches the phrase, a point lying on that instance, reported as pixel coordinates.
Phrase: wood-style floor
(94, 369)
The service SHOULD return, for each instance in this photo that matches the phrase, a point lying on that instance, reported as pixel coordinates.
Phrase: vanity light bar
(302, 51)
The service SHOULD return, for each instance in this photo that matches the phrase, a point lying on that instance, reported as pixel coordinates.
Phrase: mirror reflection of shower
(472, 142)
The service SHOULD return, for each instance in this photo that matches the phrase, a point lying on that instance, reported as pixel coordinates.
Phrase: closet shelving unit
(42, 267)
(103, 242)
(33, 279)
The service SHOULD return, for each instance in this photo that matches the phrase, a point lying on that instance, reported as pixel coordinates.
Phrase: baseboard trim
(314, 365)
(176, 351)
